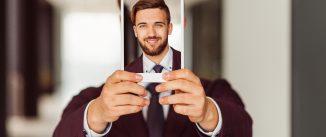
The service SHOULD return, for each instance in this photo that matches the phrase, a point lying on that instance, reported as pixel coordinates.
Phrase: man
(184, 106)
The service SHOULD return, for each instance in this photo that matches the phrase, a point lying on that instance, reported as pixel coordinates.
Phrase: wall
(256, 57)
(309, 65)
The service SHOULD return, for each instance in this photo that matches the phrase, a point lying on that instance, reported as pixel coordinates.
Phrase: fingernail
(138, 77)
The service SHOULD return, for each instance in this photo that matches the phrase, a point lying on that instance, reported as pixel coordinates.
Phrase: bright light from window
(91, 50)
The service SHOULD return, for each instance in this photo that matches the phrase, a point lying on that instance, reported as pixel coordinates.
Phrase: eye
(159, 25)
(142, 26)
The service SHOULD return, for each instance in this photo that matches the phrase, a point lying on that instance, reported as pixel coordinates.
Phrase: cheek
(141, 35)
(162, 33)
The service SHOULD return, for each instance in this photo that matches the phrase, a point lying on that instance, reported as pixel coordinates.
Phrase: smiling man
(152, 27)
(183, 106)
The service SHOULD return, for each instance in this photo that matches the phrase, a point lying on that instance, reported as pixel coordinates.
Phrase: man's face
(152, 29)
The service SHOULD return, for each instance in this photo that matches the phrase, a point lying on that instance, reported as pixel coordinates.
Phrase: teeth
(152, 40)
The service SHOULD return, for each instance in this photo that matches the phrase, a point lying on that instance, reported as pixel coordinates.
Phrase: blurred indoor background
(271, 51)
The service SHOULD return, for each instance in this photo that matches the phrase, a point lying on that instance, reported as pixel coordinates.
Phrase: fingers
(187, 110)
(181, 109)
(179, 84)
(122, 104)
(184, 98)
(181, 74)
(120, 95)
(124, 110)
(129, 99)
(120, 75)
(127, 87)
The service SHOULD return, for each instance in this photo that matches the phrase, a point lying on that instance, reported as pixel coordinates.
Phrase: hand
(120, 95)
(190, 98)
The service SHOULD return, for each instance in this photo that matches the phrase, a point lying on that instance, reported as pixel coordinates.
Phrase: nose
(151, 32)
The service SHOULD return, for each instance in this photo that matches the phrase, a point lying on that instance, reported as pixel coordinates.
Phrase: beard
(157, 51)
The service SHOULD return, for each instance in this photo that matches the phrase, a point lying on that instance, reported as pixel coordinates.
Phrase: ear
(135, 32)
(170, 28)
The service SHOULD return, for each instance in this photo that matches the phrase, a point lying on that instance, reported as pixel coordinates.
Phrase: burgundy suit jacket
(236, 121)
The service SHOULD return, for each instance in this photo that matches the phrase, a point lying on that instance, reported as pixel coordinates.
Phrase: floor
(43, 126)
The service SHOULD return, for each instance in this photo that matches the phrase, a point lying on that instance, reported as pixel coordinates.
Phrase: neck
(157, 59)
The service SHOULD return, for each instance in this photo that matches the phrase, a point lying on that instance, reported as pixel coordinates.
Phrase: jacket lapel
(176, 61)
(136, 66)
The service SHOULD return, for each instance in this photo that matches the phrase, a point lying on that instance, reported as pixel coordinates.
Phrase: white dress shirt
(148, 66)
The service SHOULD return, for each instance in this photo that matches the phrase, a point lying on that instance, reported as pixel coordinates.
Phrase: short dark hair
(149, 4)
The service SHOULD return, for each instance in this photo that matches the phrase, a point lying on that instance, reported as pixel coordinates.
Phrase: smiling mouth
(152, 40)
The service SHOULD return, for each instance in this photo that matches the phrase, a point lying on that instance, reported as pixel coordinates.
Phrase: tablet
(158, 27)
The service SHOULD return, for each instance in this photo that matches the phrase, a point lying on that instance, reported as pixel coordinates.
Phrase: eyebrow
(158, 22)
(142, 23)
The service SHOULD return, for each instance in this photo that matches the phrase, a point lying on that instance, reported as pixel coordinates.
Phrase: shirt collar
(166, 62)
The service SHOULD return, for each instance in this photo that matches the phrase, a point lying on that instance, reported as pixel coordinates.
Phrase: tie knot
(158, 68)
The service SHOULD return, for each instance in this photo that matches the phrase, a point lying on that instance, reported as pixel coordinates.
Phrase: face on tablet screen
(157, 29)
(151, 28)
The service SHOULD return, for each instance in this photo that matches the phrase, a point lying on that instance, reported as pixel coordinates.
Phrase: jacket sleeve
(71, 123)
(236, 121)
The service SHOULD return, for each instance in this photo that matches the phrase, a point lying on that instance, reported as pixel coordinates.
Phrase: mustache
(154, 37)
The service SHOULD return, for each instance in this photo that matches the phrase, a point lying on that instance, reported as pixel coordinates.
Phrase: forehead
(150, 15)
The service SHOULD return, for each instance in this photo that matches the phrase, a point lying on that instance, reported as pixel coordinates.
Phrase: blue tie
(155, 117)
